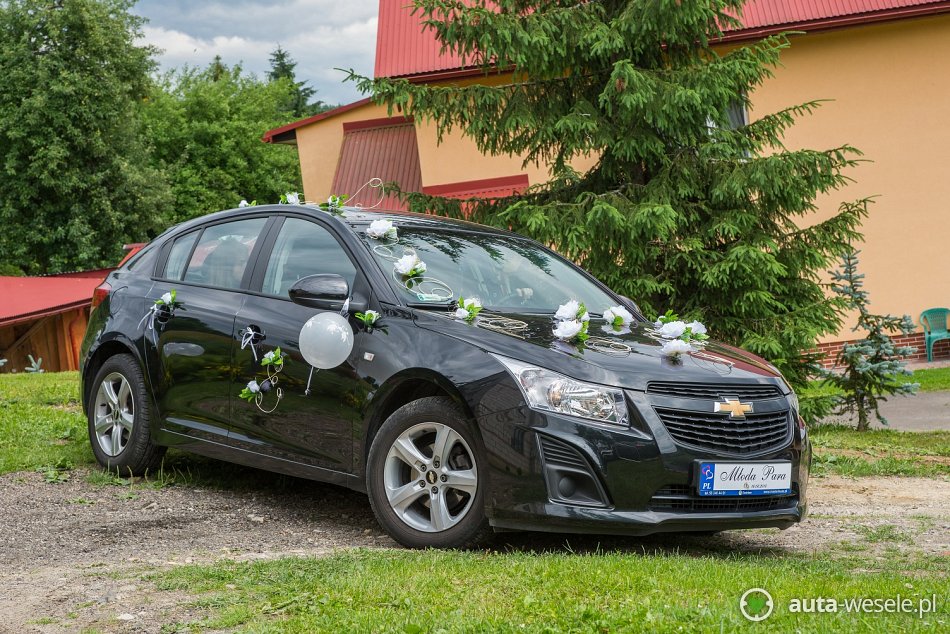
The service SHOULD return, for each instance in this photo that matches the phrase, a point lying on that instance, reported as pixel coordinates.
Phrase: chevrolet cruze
(331, 344)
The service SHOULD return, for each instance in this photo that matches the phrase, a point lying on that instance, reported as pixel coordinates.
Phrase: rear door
(189, 348)
(316, 428)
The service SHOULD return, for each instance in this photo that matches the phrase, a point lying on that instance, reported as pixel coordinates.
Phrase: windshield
(507, 273)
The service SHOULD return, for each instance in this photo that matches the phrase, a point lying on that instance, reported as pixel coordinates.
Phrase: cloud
(319, 34)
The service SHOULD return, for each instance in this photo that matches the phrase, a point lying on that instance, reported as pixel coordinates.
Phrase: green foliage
(75, 183)
(681, 208)
(205, 129)
(872, 368)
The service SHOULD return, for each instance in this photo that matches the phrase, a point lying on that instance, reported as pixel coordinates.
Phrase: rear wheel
(425, 477)
(120, 418)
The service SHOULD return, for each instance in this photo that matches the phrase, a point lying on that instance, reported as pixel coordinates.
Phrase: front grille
(743, 391)
(562, 455)
(718, 432)
(679, 497)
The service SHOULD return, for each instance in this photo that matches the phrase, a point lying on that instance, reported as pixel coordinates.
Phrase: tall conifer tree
(685, 206)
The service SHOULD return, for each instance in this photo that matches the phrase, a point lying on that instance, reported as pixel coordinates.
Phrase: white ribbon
(247, 339)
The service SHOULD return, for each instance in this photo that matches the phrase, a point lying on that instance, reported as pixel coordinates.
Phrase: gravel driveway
(74, 553)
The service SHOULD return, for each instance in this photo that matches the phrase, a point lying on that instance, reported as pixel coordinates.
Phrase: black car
(219, 338)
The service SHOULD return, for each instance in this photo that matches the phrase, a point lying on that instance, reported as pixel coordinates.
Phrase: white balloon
(326, 340)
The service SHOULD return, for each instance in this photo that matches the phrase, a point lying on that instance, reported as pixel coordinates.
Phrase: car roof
(350, 217)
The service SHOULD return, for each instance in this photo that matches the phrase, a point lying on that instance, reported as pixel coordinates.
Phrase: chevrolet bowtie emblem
(733, 406)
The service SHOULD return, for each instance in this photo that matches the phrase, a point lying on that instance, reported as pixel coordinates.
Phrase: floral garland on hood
(679, 336)
(571, 322)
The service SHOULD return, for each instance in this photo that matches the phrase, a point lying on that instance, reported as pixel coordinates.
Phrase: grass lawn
(434, 591)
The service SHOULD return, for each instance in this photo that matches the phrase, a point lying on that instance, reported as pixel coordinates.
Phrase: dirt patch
(75, 555)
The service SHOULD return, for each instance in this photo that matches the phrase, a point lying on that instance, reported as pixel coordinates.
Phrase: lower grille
(680, 497)
(561, 454)
(718, 432)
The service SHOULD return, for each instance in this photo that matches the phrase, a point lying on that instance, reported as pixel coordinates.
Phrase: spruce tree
(282, 67)
(869, 370)
(683, 208)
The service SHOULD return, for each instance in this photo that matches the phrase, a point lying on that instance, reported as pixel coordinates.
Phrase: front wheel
(425, 477)
(120, 420)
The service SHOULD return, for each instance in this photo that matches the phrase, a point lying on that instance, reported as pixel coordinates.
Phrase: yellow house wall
(891, 89)
(319, 145)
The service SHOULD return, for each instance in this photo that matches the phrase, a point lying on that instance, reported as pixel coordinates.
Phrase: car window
(178, 256)
(506, 273)
(304, 248)
(223, 252)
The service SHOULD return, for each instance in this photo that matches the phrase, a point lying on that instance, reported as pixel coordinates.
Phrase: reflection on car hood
(627, 358)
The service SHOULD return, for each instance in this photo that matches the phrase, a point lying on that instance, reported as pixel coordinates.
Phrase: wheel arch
(405, 387)
(106, 349)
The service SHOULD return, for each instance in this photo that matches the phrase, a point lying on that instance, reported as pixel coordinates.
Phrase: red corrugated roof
(382, 150)
(404, 48)
(28, 298)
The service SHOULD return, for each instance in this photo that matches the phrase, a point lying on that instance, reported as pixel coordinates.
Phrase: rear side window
(178, 256)
(222, 254)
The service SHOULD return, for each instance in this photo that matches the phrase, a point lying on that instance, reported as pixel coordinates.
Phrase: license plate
(744, 478)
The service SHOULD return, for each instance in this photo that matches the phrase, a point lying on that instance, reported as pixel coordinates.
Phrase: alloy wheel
(114, 414)
(430, 477)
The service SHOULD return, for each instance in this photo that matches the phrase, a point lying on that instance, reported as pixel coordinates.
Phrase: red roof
(404, 49)
(379, 148)
(29, 298)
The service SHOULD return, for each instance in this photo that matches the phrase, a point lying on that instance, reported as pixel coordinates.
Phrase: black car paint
(416, 352)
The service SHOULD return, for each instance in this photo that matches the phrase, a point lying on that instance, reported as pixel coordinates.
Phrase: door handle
(252, 335)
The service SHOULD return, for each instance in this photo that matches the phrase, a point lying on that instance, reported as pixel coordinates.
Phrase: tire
(429, 504)
(120, 419)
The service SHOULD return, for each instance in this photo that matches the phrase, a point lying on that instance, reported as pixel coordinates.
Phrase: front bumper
(621, 481)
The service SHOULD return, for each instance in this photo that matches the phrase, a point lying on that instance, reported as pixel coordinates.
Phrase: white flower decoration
(293, 198)
(568, 310)
(696, 327)
(244, 203)
(371, 316)
(379, 229)
(675, 347)
(672, 330)
(410, 265)
(461, 313)
(253, 387)
(612, 314)
(472, 302)
(166, 299)
(568, 329)
(269, 356)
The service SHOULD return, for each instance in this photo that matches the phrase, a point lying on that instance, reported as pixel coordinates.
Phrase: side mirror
(632, 306)
(324, 292)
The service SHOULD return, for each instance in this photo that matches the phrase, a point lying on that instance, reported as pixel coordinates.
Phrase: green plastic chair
(934, 321)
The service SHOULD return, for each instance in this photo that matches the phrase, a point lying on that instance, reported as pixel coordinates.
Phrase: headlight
(552, 392)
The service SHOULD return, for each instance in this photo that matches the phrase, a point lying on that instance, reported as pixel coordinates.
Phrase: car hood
(629, 358)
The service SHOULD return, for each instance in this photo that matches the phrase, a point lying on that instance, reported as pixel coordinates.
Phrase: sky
(319, 34)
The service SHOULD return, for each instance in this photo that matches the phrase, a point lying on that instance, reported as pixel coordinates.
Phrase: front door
(316, 428)
(190, 345)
